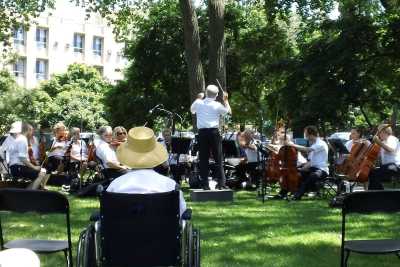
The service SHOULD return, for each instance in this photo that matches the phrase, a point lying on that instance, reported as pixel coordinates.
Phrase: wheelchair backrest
(140, 229)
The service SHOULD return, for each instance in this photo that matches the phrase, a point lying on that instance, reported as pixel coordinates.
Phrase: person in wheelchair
(149, 204)
(142, 153)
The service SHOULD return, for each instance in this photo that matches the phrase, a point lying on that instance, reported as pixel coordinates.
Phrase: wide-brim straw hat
(141, 150)
(16, 127)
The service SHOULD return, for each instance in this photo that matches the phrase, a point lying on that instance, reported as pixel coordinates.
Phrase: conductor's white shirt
(208, 112)
(145, 181)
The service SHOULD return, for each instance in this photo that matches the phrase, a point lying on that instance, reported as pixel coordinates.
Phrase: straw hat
(141, 151)
(16, 127)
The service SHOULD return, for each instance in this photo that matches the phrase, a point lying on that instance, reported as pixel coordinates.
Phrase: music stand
(338, 145)
(180, 145)
(230, 149)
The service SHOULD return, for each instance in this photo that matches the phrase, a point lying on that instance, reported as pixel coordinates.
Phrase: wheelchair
(139, 230)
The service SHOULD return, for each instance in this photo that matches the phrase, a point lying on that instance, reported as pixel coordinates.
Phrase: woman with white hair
(208, 112)
(112, 168)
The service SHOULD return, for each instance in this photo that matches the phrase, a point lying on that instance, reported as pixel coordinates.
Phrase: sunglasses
(121, 133)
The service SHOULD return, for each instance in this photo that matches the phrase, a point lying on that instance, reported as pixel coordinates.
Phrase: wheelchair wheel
(196, 250)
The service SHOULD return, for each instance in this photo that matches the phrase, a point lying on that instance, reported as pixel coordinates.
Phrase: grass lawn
(244, 233)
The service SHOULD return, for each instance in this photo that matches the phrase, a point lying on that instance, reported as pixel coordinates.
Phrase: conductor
(208, 112)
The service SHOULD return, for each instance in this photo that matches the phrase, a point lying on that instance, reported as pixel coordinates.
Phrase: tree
(75, 97)
(19, 13)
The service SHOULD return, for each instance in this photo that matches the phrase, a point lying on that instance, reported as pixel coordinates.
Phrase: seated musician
(20, 165)
(316, 168)
(389, 155)
(355, 137)
(78, 152)
(58, 148)
(142, 153)
(112, 168)
(247, 143)
(15, 130)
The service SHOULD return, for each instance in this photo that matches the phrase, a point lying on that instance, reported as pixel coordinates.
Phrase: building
(62, 36)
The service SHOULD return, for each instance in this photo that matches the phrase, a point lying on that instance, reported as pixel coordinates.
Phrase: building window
(41, 69)
(19, 67)
(19, 36)
(41, 37)
(79, 42)
(97, 46)
(100, 69)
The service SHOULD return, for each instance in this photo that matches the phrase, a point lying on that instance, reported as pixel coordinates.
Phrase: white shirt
(5, 147)
(76, 150)
(349, 145)
(391, 157)
(145, 181)
(251, 154)
(60, 148)
(208, 112)
(106, 153)
(318, 156)
(18, 150)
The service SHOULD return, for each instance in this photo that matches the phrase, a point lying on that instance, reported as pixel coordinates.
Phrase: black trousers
(309, 179)
(385, 172)
(22, 171)
(210, 140)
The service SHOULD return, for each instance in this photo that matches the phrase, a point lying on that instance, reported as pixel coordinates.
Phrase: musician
(316, 168)
(112, 168)
(20, 165)
(389, 155)
(15, 130)
(58, 148)
(208, 112)
(356, 135)
(247, 143)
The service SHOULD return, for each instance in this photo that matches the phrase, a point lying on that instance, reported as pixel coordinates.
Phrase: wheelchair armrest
(95, 216)
(187, 215)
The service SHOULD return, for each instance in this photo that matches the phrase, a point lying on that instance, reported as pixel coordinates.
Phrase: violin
(30, 154)
(116, 143)
(91, 150)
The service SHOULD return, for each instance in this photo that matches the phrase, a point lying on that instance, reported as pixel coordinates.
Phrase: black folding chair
(140, 230)
(45, 202)
(382, 201)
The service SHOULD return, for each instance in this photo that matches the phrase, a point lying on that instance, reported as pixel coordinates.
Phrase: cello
(369, 159)
(290, 176)
(273, 168)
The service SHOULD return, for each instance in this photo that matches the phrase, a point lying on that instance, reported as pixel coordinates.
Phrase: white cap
(16, 127)
(212, 89)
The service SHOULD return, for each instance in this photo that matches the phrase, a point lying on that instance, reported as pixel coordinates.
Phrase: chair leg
(347, 257)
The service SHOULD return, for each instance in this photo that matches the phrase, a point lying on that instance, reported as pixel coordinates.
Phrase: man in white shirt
(142, 153)
(389, 155)
(208, 112)
(316, 168)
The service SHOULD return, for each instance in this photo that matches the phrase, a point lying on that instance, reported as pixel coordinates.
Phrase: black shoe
(222, 187)
(279, 196)
(206, 187)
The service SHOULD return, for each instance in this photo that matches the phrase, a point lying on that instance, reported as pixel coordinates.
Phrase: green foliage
(158, 70)
(15, 13)
(75, 97)
(10, 104)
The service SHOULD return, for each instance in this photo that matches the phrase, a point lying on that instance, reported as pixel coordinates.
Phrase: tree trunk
(217, 67)
(192, 48)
